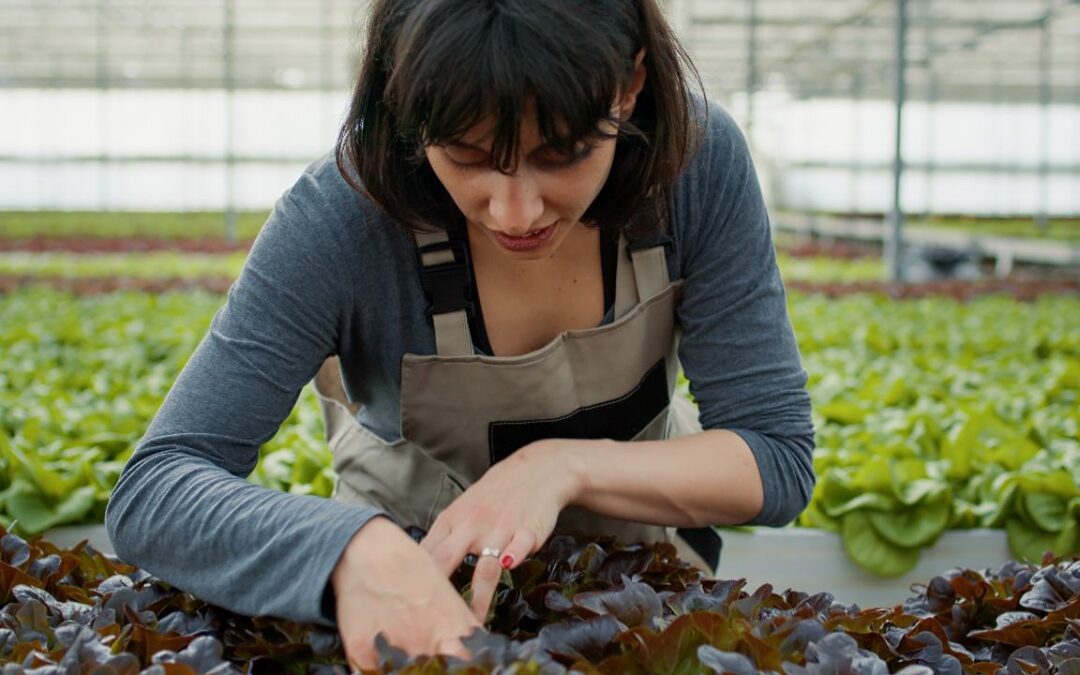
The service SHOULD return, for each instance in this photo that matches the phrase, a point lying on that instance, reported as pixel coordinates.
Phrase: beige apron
(461, 411)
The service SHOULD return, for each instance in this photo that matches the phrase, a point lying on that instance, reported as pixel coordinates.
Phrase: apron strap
(452, 336)
(640, 274)
(444, 274)
(431, 240)
(625, 286)
(650, 271)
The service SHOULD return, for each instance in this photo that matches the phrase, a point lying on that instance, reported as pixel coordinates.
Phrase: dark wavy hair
(432, 69)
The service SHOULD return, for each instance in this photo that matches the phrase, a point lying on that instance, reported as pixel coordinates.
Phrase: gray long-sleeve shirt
(330, 274)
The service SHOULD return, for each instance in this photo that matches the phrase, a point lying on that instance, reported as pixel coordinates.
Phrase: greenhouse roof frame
(988, 51)
(961, 50)
(958, 50)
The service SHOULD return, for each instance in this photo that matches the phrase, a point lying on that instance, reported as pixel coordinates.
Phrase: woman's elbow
(796, 485)
(120, 513)
(801, 488)
(114, 523)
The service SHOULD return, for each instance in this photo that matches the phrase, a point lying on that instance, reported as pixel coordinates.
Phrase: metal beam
(751, 67)
(858, 92)
(229, 78)
(101, 31)
(855, 19)
(985, 29)
(155, 159)
(1042, 219)
(883, 22)
(1030, 250)
(894, 244)
(931, 105)
(944, 167)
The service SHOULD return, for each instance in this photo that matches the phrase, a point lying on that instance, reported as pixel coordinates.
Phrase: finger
(361, 656)
(453, 642)
(363, 662)
(365, 656)
(439, 532)
(485, 581)
(453, 646)
(520, 547)
(449, 552)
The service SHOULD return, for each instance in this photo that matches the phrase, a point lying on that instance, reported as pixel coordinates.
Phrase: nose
(515, 205)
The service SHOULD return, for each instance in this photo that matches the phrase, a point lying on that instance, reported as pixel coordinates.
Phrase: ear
(629, 99)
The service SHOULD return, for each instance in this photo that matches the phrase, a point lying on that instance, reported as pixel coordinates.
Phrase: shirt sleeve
(182, 509)
(738, 348)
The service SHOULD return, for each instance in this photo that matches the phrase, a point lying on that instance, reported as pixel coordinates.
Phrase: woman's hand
(384, 583)
(513, 508)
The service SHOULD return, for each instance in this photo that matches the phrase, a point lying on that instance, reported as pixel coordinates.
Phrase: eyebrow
(470, 146)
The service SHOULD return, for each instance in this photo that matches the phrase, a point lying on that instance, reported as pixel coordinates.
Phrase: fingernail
(507, 561)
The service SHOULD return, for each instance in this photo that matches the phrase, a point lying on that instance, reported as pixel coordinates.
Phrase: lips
(531, 233)
(530, 242)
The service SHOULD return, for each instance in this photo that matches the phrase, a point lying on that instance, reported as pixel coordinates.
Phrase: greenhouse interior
(860, 298)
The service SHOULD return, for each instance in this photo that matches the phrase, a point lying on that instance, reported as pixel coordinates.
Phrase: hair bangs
(433, 71)
(447, 87)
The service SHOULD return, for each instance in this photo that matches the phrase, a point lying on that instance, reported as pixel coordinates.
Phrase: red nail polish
(507, 561)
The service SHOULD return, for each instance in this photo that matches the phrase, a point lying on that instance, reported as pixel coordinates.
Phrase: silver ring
(494, 552)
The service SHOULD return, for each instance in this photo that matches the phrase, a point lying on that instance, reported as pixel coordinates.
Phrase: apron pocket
(450, 488)
(396, 476)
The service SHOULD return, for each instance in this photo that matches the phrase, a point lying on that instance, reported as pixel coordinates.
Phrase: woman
(528, 209)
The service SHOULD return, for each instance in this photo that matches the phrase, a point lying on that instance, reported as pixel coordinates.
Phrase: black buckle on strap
(658, 239)
(447, 285)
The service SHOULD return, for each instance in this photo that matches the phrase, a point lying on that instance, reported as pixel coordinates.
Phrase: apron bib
(461, 412)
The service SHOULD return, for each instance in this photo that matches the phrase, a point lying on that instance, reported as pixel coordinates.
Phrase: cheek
(455, 182)
(595, 172)
(438, 166)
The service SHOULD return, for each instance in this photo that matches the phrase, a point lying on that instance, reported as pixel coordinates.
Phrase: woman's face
(546, 189)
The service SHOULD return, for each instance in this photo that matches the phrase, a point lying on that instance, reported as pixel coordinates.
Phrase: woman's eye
(471, 165)
(467, 160)
(559, 159)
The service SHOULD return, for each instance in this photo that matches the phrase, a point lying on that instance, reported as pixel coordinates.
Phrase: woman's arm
(182, 508)
(703, 479)
(753, 463)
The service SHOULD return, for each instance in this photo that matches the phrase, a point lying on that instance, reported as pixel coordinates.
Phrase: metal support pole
(751, 68)
(185, 79)
(101, 32)
(1003, 201)
(894, 243)
(679, 15)
(326, 58)
(1042, 217)
(228, 47)
(931, 109)
(858, 88)
(931, 142)
(856, 139)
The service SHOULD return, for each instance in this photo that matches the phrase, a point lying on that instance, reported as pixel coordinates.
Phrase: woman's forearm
(708, 478)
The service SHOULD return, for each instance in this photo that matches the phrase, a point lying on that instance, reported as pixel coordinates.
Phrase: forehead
(483, 132)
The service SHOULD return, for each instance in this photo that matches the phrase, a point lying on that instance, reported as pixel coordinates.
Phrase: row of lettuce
(22, 225)
(930, 414)
(589, 607)
(934, 415)
(186, 265)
